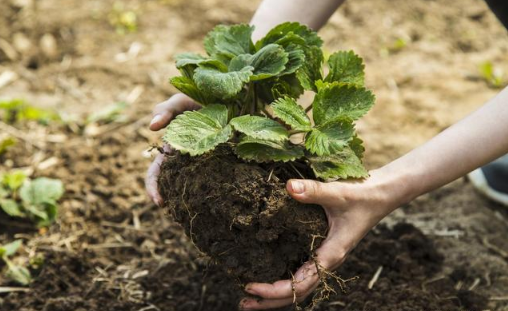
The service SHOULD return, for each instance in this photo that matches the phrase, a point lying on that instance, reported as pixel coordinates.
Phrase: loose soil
(240, 214)
(112, 249)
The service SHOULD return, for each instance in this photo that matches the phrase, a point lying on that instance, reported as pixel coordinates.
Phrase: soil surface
(112, 249)
(240, 214)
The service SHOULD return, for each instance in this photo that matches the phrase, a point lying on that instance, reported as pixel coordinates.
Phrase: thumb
(311, 191)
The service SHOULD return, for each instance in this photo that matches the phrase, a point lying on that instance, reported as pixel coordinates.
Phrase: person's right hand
(163, 113)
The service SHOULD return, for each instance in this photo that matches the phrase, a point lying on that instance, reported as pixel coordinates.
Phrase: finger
(164, 112)
(151, 179)
(311, 191)
(303, 283)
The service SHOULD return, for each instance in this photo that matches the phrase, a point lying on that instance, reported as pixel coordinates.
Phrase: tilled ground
(111, 249)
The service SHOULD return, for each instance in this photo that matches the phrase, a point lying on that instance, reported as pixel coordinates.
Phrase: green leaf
(41, 190)
(311, 70)
(14, 179)
(108, 114)
(10, 249)
(281, 86)
(188, 62)
(261, 150)
(196, 132)
(330, 137)
(346, 66)
(185, 59)
(356, 144)
(229, 41)
(335, 100)
(17, 273)
(344, 164)
(50, 212)
(260, 127)
(269, 61)
(11, 208)
(290, 29)
(296, 59)
(4, 192)
(6, 143)
(219, 84)
(288, 110)
(188, 87)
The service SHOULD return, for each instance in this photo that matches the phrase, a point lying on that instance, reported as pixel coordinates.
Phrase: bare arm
(354, 208)
(270, 13)
(475, 141)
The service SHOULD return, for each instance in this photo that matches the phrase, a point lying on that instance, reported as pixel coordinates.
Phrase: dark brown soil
(240, 214)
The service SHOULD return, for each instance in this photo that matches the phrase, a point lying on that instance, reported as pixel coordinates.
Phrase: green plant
(110, 113)
(15, 272)
(249, 91)
(124, 21)
(6, 142)
(492, 75)
(33, 199)
(16, 110)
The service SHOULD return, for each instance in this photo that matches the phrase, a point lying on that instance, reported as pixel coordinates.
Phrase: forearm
(475, 141)
(273, 12)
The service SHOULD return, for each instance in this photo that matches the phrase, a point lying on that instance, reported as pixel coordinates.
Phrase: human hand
(163, 113)
(352, 209)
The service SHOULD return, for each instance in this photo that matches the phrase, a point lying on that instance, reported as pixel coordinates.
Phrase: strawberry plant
(249, 93)
(32, 199)
(14, 272)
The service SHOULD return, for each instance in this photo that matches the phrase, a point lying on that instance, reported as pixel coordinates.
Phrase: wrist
(395, 186)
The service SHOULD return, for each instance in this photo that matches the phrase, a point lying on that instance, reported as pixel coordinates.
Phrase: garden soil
(112, 249)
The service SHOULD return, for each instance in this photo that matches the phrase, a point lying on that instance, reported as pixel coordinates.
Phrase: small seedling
(6, 142)
(124, 21)
(14, 272)
(32, 199)
(492, 75)
(109, 114)
(17, 110)
(248, 92)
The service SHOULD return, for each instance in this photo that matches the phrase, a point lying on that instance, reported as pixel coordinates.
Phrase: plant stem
(309, 108)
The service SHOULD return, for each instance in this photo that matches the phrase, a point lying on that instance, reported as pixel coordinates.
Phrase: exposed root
(325, 288)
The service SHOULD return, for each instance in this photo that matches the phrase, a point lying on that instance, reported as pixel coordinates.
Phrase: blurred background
(78, 80)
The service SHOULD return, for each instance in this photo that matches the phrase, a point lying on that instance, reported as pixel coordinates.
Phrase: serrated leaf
(188, 62)
(335, 100)
(356, 144)
(17, 273)
(189, 88)
(290, 29)
(229, 41)
(287, 85)
(196, 132)
(261, 150)
(260, 128)
(11, 208)
(330, 137)
(347, 67)
(269, 61)
(10, 249)
(13, 180)
(185, 59)
(291, 113)
(296, 59)
(41, 190)
(342, 165)
(219, 84)
(311, 70)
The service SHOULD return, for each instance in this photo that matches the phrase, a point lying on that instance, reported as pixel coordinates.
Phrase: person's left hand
(352, 210)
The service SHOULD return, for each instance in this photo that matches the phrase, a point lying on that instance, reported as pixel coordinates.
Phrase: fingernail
(155, 119)
(249, 290)
(244, 304)
(297, 187)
